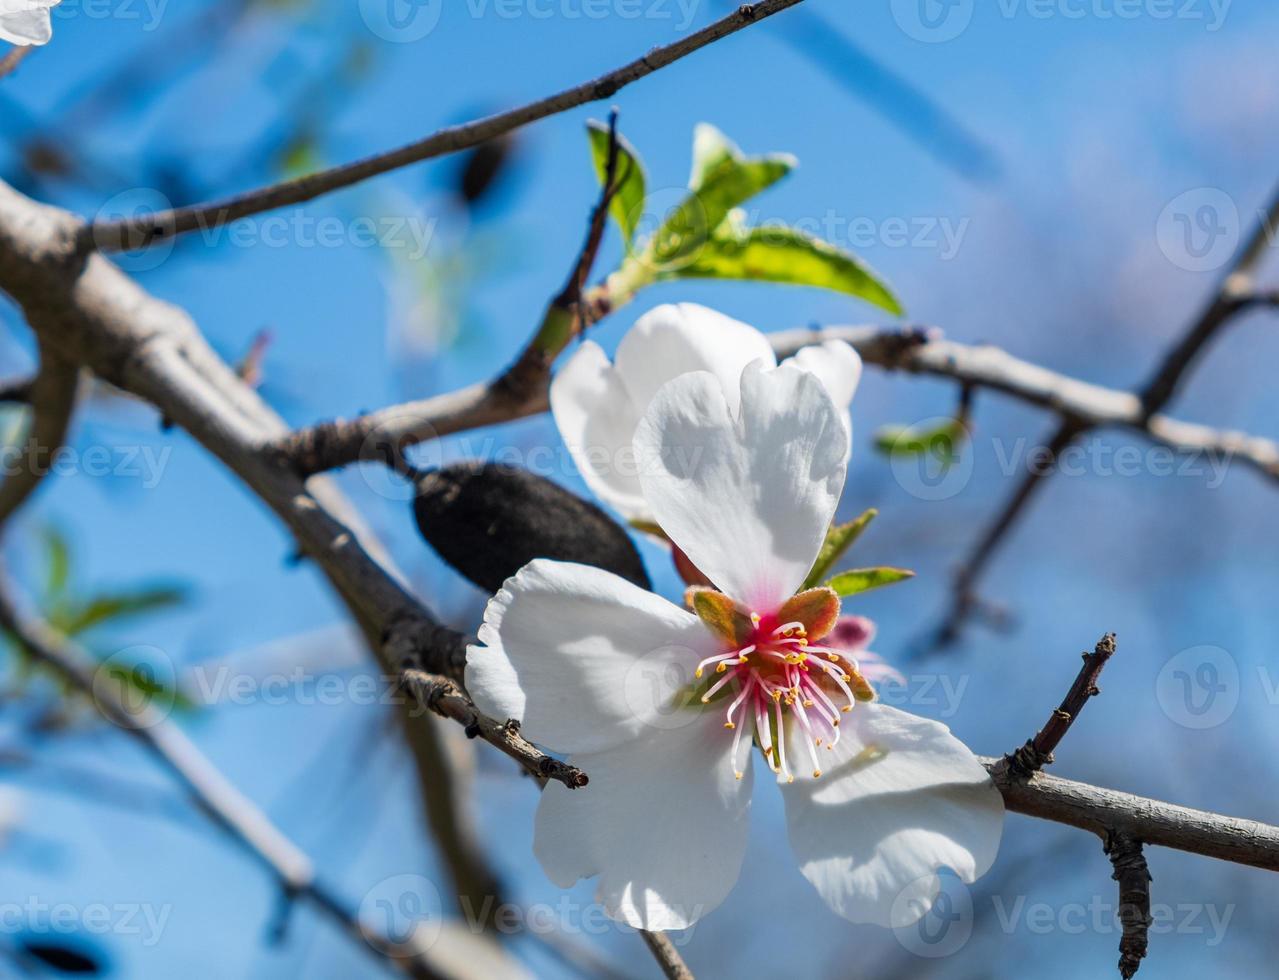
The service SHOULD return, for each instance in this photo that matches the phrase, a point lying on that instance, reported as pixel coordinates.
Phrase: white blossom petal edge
(26, 22)
(597, 405)
(661, 706)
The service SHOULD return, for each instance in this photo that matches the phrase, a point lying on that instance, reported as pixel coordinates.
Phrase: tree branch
(329, 445)
(1234, 294)
(231, 810)
(1133, 875)
(667, 956)
(1103, 811)
(52, 396)
(13, 58)
(17, 390)
(95, 315)
(134, 233)
(1038, 751)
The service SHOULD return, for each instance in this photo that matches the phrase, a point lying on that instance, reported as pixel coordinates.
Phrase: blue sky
(1099, 121)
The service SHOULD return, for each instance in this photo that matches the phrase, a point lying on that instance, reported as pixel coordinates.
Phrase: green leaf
(59, 557)
(788, 255)
(627, 206)
(839, 539)
(74, 618)
(864, 579)
(941, 441)
(711, 149)
(689, 229)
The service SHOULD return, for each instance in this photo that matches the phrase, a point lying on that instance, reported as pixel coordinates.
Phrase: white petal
(748, 497)
(583, 659)
(663, 822)
(597, 419)
(900, 798)
(838, 367)
(675, 339)
(26, 21)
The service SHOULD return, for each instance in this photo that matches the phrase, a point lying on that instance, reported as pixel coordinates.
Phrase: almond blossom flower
(661, 706)
(598, 405)
(26, 21)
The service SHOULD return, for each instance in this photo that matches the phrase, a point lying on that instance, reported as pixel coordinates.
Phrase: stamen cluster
(774, 673)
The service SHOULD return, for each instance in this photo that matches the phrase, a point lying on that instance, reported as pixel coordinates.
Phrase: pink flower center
(778, 673)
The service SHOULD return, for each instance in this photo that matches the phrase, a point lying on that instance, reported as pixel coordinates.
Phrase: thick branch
(136, 232)
(95, 315)
(329, 445)
(1106, 811)
(1087, 405)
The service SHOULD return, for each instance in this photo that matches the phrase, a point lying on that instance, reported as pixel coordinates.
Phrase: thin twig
(667, 956)
(230, 809)
(1132, 873)
(52, 396)
(1038, 751)
(518, 391)
(964, 597)
(136, 232)
(12, 59)
(444, 697)
(1234, 294)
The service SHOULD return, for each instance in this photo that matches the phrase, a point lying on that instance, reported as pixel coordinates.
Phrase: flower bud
(489, 521)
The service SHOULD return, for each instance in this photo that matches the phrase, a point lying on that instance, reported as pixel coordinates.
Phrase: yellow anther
(790, 779)
(817, 774)
(739, 775)
(754, 619)
(720, 668)
(697, 672)
(846, 678)
(846, 709)
(833, 657)
(729, 724)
